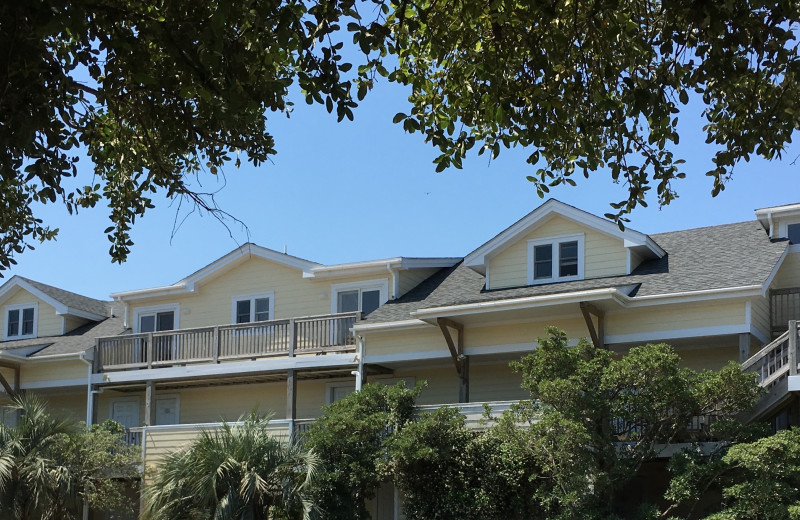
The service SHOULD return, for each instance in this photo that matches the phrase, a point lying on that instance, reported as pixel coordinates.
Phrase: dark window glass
(27, 322)
(348, 301)
(243, 311)
(147, 323)
(568, 259)
(262, 309)
(13, 322)
(542, 262)
(794, 233)
(370, 300)
(166, 320)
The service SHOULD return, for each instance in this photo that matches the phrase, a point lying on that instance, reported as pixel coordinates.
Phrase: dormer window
(555, 259)
(21, 321)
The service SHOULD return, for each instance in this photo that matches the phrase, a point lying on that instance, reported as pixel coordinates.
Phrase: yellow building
(261, 329)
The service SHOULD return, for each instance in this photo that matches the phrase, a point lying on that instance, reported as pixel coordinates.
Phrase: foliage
(50, 466)
(447, 471)
(349, 439)
(584, 86)
(237, 472)
(154, 93)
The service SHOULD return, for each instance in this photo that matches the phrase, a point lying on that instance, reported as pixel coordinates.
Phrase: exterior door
(167, 410)
(126, 413)
(163, 346)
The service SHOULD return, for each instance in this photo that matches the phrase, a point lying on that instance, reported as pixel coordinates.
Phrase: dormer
(31, 309)
(781, 222)
(560, 243)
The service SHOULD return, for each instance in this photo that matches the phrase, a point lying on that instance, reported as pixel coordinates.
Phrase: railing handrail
(207, 328)
(765, 351)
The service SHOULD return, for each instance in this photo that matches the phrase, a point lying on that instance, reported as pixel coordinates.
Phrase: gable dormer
(559, 243)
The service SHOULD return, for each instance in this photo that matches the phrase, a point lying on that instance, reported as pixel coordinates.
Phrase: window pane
(262, 309)
(166, 320)
(13, 323)
(794, 233)
(348, 301)
(243, 311)
(370, 300)
(147, 323)
(568, 259)
(27, 321)
(542, 262)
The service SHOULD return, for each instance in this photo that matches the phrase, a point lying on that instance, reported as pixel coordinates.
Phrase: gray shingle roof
(730, 255)
(74, 341)
(71, 299)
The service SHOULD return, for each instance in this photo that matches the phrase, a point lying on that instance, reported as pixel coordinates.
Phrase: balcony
(289, 337)
(773, 366)
(784, 305)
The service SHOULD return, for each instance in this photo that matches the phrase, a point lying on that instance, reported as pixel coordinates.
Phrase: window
(793, 232)
(248, 308)
(360, 296)
(556, 259)
(21, 321)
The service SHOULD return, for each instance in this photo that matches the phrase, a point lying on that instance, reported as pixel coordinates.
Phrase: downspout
(395, 284)
(360, 372)
(771, 225)
(89, 412)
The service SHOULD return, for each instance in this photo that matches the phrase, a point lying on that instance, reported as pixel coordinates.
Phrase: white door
(126, 413)
(167, 410)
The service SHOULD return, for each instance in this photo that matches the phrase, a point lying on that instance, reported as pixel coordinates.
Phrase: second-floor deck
(287, 337)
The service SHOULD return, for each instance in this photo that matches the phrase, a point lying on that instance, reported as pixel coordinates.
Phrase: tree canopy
(156, 93)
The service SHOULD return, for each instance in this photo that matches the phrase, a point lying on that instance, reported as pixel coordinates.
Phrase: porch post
(744, 347)
(291, 399)
(149, 404)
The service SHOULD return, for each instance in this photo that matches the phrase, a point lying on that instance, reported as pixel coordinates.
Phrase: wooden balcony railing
(776, 360)
(308, 335)
(784, 305)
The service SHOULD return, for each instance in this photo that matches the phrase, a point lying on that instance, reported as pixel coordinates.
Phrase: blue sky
(361, 190)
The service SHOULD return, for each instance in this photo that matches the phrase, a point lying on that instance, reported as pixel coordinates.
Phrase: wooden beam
(455, 351)
(7, 387)
(598, 334)
(291, 395)
(149, 404)
(463, 381)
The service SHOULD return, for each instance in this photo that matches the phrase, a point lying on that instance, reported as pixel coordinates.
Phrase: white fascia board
(57, 305)
(779, 211)
(793, 383)
(692, 296)
(139, 294)
(631, 237)
(775, 270)
(53, 383)
(373, 266)
(58, 357)
(391, 325)
(519, 303)
(78, 313)
(422, 355)
(262, 366)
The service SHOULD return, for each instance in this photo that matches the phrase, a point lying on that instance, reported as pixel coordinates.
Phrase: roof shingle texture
(717, 257)
(71, 299)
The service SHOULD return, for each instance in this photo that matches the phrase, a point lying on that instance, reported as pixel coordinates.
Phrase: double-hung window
(21, 321)
(556, 259)
(250, 308)
(360, 296)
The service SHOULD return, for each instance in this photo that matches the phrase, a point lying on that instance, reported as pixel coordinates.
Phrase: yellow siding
(442, 383)
(495, 382)
(604, 255)
(71, 324)
(294, 295)
(163, 441)
(411, 278)
(708, 358)
(789, 273)
(687, 316)
(228, 403)
(48, 322)
(53, 370)
(71, 406)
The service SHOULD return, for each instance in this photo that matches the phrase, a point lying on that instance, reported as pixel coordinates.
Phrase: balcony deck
(288, 337)
(772, 366)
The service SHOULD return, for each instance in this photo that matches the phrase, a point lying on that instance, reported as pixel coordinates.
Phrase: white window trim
(554, 241)
(783, 228)
(153, 309)
(20, 306)
(382, 284)
(410, 381)
(252, 297)
(330, 387)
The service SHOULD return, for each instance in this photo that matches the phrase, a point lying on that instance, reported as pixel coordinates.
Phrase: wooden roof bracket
(456, 348)
(4, 382)
(597, 334)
